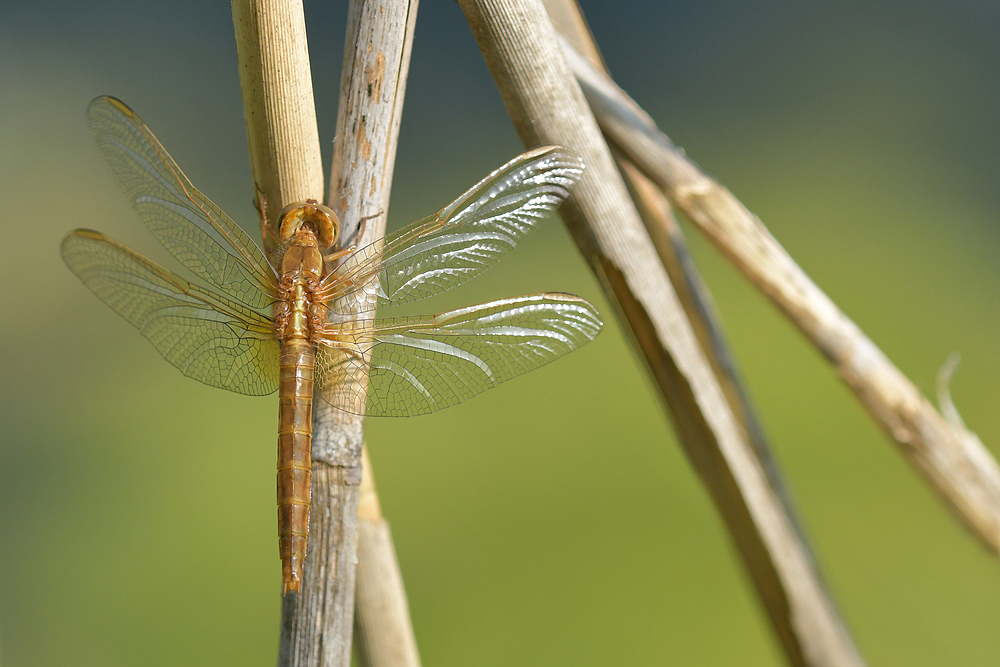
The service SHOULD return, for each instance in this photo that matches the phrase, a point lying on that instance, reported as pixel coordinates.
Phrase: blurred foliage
(552, 521)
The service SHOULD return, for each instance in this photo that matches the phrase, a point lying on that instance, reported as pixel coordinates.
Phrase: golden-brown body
(214, 330)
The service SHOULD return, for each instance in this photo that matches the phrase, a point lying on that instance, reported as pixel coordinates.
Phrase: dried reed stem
(372, 88)
(383, 631)
(547, 106)
(284, 146)
(278, 101)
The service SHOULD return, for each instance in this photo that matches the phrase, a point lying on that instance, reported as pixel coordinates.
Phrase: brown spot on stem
(364, 146)
(376, 75)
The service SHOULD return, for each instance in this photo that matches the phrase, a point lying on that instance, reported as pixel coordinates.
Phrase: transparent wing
(208, 337)
(463, 239)
(192, 228)
(422, 364)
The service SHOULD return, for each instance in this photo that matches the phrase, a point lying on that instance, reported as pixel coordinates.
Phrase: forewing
(422, 364)
(191, 227)
(208, 337)
(466, 237)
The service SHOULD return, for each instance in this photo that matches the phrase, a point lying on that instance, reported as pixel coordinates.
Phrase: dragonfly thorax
(302, 256)
(298, 311)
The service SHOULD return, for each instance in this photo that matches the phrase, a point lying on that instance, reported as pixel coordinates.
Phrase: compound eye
(327, 225)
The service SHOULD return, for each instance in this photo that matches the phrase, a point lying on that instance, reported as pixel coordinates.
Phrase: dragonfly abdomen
(295, 391)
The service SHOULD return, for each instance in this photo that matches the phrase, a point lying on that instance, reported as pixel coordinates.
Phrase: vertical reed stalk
(372, 88)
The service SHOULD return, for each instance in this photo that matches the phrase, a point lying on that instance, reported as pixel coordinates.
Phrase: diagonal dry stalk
(671, 246)
(547, 106)
(316, 627)
(951, 458)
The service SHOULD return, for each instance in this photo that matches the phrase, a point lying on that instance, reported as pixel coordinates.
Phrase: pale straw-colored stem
(278, 101)
(950, 457)
(547, 106)
(383, 631)
(284, 146)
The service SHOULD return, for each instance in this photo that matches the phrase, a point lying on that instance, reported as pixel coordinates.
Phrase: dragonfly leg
(267, 234)
(347, 250)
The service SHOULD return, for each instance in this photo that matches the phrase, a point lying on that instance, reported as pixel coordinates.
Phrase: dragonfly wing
(422, 364)
(207, 336)
(466, 237)
(191, 227)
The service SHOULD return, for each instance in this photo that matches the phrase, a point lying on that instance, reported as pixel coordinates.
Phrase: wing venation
(465, 238)
(208, 336)
(196, 231)
(419, 365)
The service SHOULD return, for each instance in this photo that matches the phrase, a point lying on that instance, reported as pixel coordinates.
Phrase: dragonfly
(321, 338)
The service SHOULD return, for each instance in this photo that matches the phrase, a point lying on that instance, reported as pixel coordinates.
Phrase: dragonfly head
(312, 215)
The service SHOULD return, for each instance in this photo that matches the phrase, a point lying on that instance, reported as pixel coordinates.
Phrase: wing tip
(78, 235)
(585, 306)
(108, 100)
(85, 233)
(569, 157)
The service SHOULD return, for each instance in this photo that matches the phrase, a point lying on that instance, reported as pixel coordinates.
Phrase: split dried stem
(383, 631)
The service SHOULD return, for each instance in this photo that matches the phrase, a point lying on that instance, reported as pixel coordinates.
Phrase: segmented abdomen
(295, 390)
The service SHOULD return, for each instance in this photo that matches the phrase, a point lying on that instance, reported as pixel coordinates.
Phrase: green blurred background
(553, 520)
